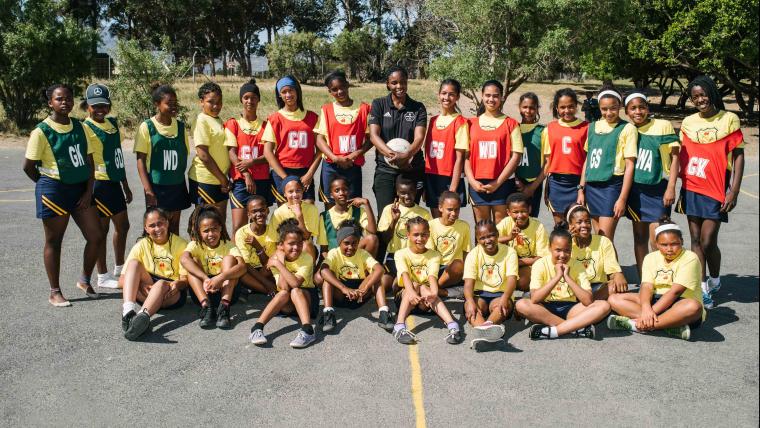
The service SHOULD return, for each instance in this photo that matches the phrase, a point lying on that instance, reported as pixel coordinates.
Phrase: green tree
(39, 46)
(313, 16)
(356, 50)
(300, 54)
(138, 69)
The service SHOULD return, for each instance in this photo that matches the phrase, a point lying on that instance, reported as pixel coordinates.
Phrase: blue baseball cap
(97, 94)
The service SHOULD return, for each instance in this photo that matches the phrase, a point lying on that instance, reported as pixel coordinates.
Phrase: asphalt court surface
(72, 366)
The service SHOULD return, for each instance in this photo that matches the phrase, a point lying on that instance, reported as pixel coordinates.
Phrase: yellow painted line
(16, 200)
(417, 397)
(750, 175)
(751, 195)
(16, 190)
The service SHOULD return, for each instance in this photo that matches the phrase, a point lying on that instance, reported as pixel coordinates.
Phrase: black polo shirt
(398, 123)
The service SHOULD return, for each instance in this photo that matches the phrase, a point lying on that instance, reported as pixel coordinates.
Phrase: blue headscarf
(285, 81)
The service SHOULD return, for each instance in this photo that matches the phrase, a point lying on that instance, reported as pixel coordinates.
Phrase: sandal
(64, 304)
(88, 290)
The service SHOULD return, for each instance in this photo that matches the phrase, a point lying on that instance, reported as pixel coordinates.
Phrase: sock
(551, 331)
(398, 327)
(308, 329)
(705, 287)
(487, 323)
(117, 270)
(258, 326)
(327, 309)
(452, 325)
(129, 306)
(204, 303)
(633, 325)
(715, 281)
(225, 303)
(384, 309)
(84, 279)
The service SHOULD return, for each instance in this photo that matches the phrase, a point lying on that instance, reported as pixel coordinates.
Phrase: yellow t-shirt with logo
(546, 148)
(97, 145)
(303, 267)
(337, 218)
(598, 259)
(462, 135)
(685, 270)
(419, 266)
(706, 131)
(289, 115)
(532, 241)
(268, 241)
(660, 127)
(490, 272)
(310, 216)
(248, 128)
(627, 144)
(543, 272)
(451, 241)
(142, 137)
(160, 260)
(400, 239)
(209, 132)
(347, 268)
(210, 259)
(38, 147)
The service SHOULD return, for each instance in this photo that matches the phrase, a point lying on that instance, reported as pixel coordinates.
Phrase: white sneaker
(107, 280)
(713, 287)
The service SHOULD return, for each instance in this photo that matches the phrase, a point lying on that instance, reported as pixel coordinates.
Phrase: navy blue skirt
(562, 192)
(601, 196)
(435, 184)
(499, 197)
(645, 202)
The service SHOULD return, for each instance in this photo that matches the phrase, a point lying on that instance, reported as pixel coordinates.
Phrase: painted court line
(417, 397)
(16, 190)
(16, 200)
(751, 195)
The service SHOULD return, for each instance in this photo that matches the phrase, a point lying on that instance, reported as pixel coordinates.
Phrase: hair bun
(252, 81)
(562, 225)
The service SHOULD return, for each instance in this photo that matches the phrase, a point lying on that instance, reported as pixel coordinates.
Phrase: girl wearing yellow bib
(670, 296)
(59, 160)
(417, 268)
(111, 192)
(152, 274)
(490, 277)
(608, 174)
(213, 266)
(560, 299)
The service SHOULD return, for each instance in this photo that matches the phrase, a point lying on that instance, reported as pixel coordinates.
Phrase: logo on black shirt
(410, 116)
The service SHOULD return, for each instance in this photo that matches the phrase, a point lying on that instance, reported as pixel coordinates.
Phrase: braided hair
(287, 227)
(204, 212)
(710, 88)
(417, 220)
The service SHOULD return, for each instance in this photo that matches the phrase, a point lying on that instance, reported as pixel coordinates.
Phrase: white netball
(399, 145)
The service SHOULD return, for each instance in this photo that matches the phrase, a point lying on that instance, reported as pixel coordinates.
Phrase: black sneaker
(405, 337)
(588, 332)
(536, 333)
(127, 319)
(139, 325)
(454, 337)
(207, 317)
(385, 321)
(328, 321)
(223, 317)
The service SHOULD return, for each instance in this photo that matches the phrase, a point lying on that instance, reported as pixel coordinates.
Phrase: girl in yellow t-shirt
(59, 160)
(560, 299)
(525, 234)
(596, 253)
(305, 213)
(293, 271)
(354, 273)
(208, 172)
(213, 266)
(490, 278)
(417, 273)
(257, 241)
(670, 296)
(152, 274)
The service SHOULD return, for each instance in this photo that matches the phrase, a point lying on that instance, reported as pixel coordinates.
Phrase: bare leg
(102, 263)
(607, 227)
(438, 306)
(55, 228)
(537, 313)
(695, 230)
(370, 243)
(583, 316)
(483, 311)
(88, 222)
(499, 213)
(481, 212)
(301, 301)
(709, 239)
(523, 284)
(494, 314)
(119, 240)
(451, 276)
(274, 307)
(174, 218)
(640, 242)
(238, 219)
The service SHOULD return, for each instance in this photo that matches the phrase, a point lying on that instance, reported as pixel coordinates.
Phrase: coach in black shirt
(397, 116)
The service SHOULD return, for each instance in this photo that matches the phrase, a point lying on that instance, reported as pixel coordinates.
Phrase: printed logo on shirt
(490, 274)
(521, 244)
(707, 135)
(387, 114)
(420, 271)
(590, 266)
(163, 266)
(664, 276)
(344, 118)
(349, 272)
(445, 244)
(410, 116)
(214, 264)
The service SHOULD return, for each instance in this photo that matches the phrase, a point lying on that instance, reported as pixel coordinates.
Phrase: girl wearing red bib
(495, 151)
(707, 139)
(343, 137)
(289, 142)
(249, 172)
(446, 142)
(562, 141)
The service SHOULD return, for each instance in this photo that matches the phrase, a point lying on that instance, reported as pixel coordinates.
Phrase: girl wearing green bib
(161, 145)
(608, 174)
(654, 179)
(59, 161)
(111, 192)
(530, 172)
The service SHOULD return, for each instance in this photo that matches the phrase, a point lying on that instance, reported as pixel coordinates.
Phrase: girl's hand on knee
(470, 309)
